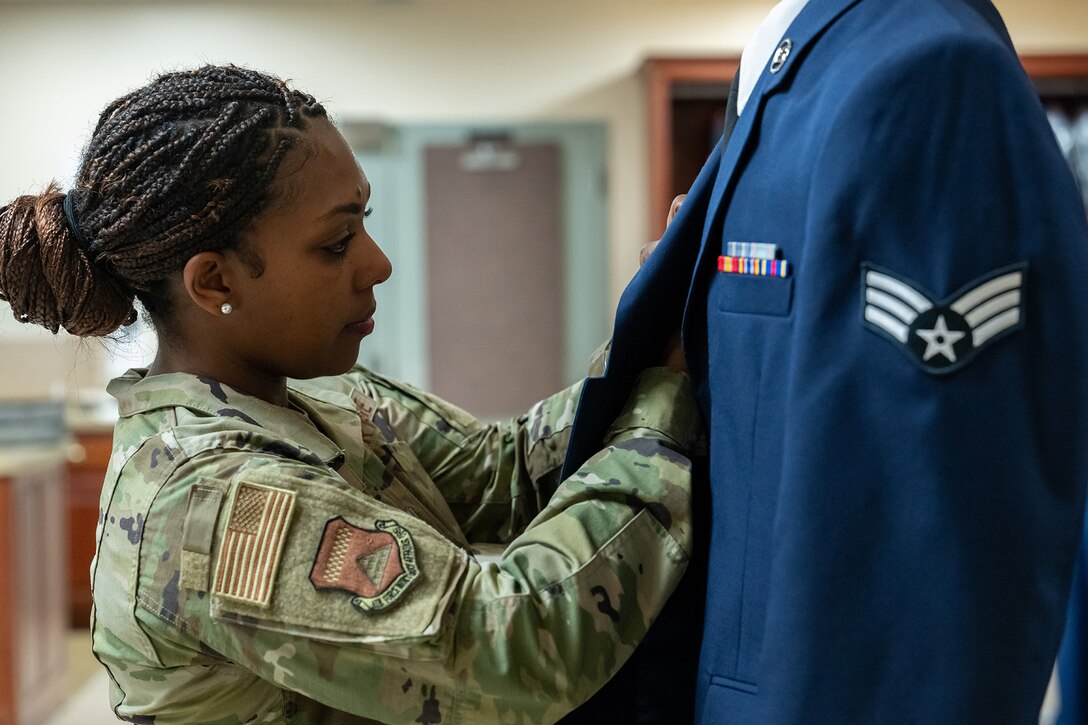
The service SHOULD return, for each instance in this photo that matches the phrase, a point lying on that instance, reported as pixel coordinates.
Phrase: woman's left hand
(649, 247)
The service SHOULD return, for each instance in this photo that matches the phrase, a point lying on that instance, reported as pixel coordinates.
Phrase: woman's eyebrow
(349, 208)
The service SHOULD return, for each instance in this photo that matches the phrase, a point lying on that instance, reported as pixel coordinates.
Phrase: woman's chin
(337, 364)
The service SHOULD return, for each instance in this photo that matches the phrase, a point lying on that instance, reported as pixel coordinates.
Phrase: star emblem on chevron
(940, 340)
(941, 336)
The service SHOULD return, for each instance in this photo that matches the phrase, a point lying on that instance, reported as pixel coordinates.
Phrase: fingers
(646, 251)
(648, 247)
(674, 208)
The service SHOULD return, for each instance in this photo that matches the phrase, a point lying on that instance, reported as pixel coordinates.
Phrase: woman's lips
(361, 328)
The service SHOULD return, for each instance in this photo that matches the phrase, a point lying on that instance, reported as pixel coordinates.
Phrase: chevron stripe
(892, 305)
(887, 303)
(887, 322)
(895, 287)
(987, 291)
(992, 307)
(1002, 322)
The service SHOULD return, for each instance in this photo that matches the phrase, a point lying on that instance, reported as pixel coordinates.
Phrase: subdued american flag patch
(250, 553)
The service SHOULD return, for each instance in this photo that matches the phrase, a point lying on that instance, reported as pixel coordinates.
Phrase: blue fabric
(887, 545)
(1073, 656)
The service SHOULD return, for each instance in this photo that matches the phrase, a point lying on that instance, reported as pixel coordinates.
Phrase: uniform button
(781, 53)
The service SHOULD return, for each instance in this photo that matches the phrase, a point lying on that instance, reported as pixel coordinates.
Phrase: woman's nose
(375, 267)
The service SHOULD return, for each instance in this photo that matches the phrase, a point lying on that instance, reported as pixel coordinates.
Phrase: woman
(273, 551)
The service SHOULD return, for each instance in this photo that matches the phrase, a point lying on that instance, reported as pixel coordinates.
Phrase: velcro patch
(377, 566)
(250, 553)
(197, 535)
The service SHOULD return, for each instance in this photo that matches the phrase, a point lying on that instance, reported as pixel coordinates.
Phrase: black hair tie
(81, 239)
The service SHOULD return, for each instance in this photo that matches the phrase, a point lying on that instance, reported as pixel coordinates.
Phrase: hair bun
(48, 279)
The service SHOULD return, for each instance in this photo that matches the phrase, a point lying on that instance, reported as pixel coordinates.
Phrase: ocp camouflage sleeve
(494, 476)
(249, 570)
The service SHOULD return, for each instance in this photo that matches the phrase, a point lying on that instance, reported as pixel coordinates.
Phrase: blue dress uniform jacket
(1073, 656)
(898, 429)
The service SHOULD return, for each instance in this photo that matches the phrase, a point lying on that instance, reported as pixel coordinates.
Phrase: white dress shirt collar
(757, 54)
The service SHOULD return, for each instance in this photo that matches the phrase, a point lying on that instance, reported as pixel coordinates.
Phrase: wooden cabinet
(33, 591)
(686, 104)
(88, 459)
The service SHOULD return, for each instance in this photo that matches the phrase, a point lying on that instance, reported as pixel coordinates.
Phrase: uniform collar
(757, 53)
(137, 392)
(808, 23)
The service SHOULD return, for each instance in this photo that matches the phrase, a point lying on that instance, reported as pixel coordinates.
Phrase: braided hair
(180, 166)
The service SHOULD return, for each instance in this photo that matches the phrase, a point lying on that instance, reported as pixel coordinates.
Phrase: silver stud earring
(226, 308)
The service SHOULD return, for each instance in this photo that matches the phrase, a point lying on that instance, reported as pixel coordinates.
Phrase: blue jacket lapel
(657, 297)
(652, 302)
(648, 311)
(804, 30)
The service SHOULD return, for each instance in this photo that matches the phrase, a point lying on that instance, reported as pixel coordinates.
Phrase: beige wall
(409, 60)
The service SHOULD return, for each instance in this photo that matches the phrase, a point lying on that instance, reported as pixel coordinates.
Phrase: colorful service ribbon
(749, 265)
(753, 250)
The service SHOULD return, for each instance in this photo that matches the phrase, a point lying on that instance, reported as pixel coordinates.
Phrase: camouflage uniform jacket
(311, 564)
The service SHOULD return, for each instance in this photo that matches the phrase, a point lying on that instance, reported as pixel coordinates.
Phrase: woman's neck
(270, 388)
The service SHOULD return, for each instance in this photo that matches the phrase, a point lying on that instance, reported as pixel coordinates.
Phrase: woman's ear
(207, 278)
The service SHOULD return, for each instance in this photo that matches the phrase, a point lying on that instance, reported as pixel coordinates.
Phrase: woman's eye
(341, 246)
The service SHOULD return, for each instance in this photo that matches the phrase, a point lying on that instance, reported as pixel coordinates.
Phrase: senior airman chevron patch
(943, 336)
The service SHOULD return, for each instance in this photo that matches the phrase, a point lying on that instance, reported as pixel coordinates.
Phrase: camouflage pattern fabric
(314, 564)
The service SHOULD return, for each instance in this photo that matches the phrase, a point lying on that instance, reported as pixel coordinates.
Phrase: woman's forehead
(323, 175)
